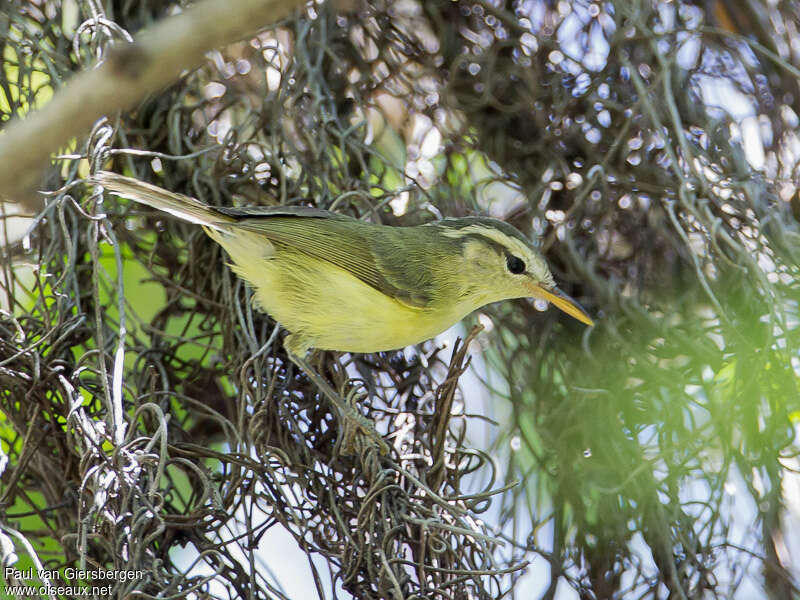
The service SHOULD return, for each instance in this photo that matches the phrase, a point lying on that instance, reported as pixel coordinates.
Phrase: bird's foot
(357, 432)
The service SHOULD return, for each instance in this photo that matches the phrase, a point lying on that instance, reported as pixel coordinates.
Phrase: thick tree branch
(127, 75)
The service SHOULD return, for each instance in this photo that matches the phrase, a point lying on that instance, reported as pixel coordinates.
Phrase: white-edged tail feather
(184, 207)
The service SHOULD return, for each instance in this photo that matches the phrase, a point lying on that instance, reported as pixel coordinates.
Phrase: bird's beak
(560, 300)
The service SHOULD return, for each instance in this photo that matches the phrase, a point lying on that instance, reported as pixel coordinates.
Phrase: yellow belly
(326, 307)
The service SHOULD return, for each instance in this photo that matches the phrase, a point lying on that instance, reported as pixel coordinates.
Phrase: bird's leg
(352, 422)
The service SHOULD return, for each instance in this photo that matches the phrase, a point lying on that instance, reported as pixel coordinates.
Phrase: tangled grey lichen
(148, 408)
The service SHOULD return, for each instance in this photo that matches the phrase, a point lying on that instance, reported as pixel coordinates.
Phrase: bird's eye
(515, 265)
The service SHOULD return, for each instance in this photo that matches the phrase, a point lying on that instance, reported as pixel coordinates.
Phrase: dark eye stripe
(515, 264)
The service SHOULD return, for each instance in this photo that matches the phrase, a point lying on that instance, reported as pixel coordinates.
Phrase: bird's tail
(181, 206)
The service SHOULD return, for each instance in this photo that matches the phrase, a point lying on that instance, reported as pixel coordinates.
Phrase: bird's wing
(258, 212)
(341, 241)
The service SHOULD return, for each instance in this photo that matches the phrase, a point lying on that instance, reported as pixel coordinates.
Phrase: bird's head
(499, 263)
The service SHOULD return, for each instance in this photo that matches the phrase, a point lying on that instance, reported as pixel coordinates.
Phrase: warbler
(338, 283)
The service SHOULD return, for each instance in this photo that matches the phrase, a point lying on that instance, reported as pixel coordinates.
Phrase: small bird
(338, 283)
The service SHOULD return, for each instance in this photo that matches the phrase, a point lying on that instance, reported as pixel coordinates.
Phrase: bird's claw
(357, 430)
